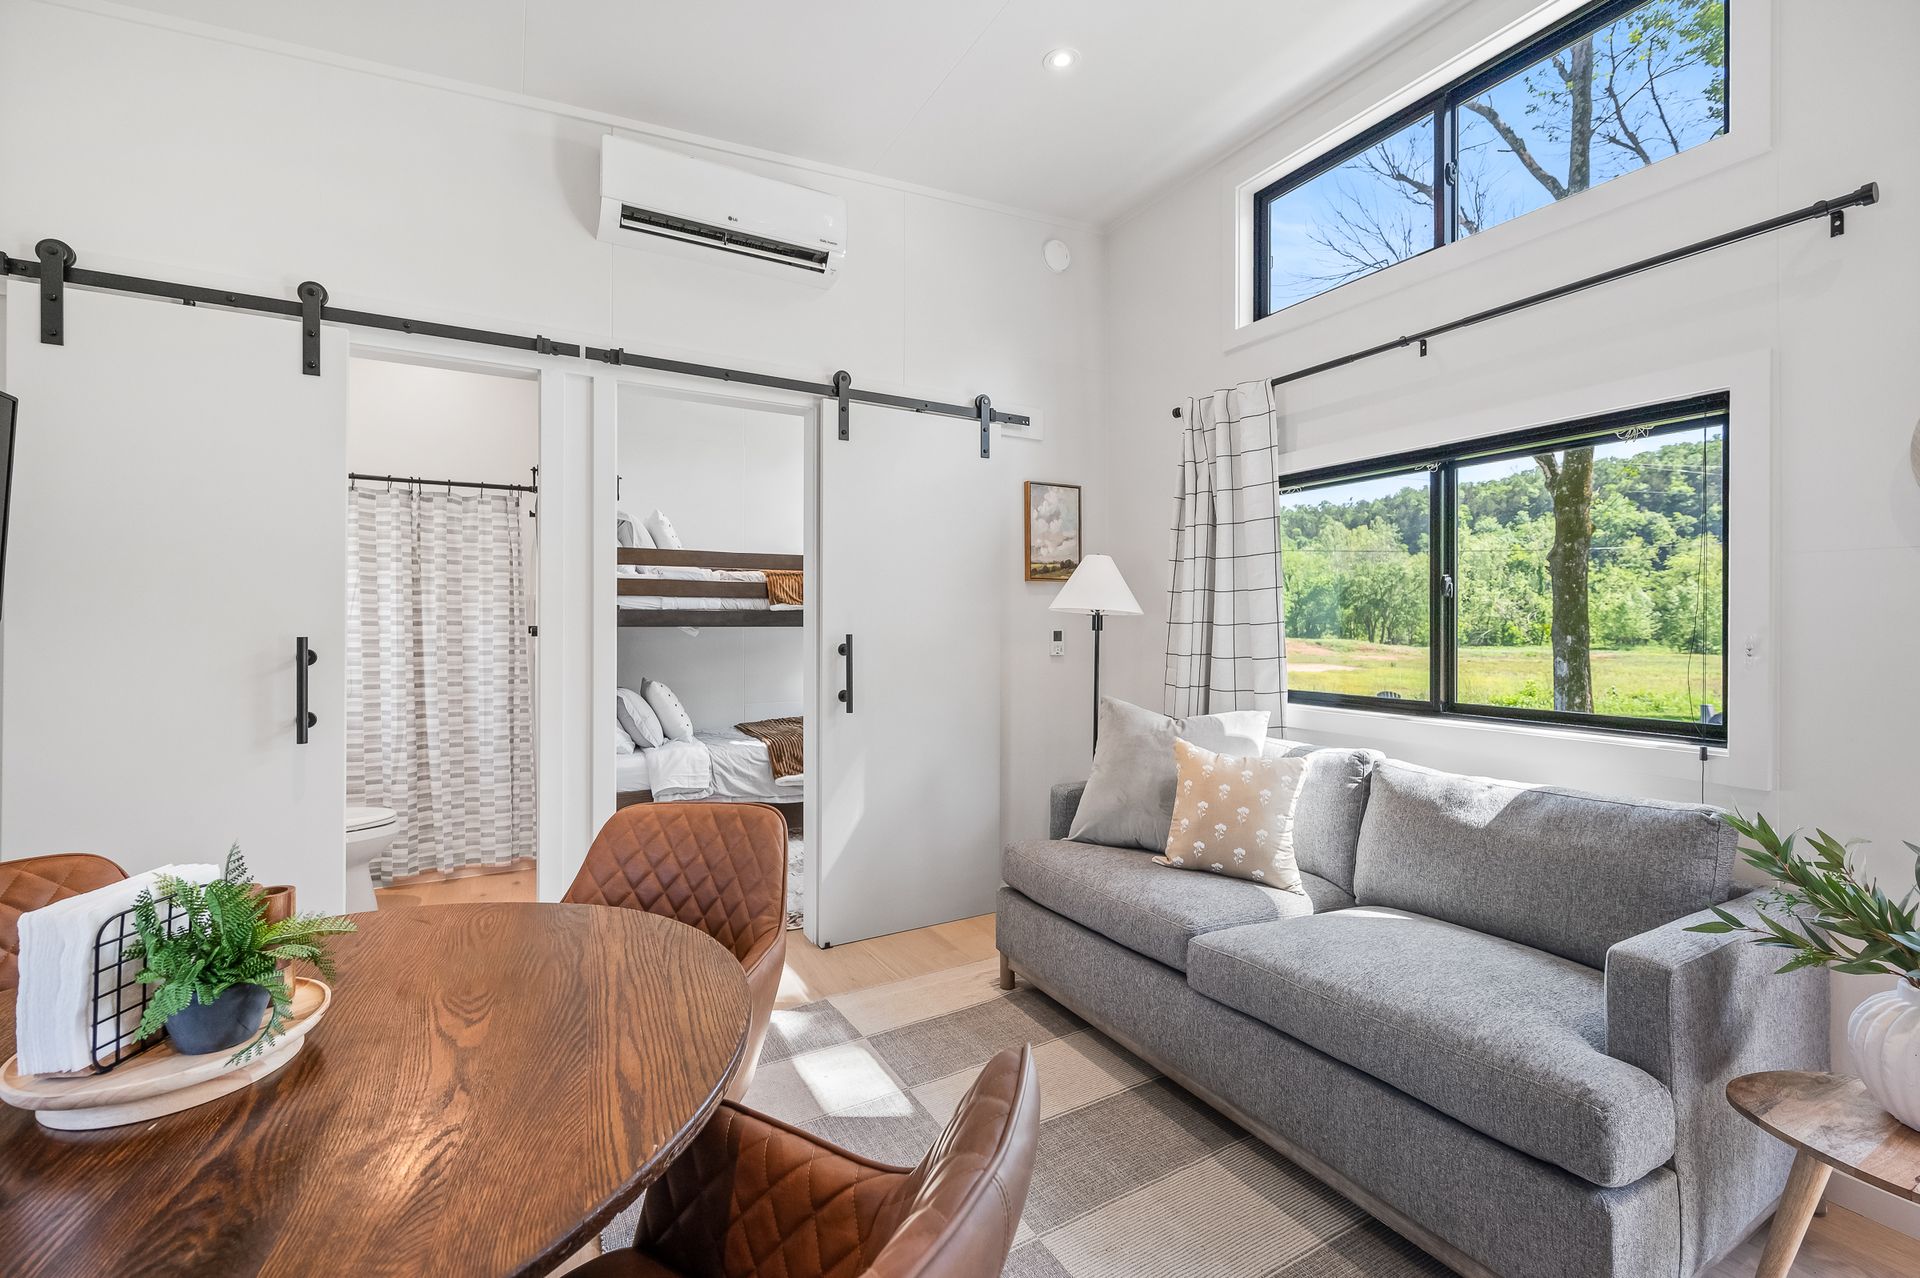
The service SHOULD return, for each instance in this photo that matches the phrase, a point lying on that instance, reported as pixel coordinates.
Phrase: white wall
(730, 478)
(1824, 94)
(406, 418)
(166, 152)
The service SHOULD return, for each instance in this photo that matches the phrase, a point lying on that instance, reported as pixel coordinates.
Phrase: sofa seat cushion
(1151, 909)
(1509, 1040)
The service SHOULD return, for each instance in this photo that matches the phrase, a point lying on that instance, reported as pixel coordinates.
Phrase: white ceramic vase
(1884, 1033)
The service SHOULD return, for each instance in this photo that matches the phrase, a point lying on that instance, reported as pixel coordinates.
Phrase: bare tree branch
(1518, 145)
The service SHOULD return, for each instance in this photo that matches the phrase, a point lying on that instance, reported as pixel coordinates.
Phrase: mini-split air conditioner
(655, 198)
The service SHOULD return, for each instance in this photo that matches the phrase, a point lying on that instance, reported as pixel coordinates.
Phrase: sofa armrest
(1061, 806)
(1696, 1011)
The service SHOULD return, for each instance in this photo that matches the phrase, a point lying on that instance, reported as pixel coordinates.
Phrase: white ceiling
(948, 94)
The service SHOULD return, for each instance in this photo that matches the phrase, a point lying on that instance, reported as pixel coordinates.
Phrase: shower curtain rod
(1833, 210)
(414, 481)
(55, 270)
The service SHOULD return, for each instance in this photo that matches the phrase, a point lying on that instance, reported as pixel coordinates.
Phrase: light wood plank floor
(1842, 1244)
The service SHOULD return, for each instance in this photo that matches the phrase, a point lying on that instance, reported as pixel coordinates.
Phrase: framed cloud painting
(1053, 530)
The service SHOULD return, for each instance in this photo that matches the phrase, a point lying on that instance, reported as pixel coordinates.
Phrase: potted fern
(1827, 917)
(217, 972)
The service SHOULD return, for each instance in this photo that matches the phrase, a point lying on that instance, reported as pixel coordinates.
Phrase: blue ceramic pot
(228, 1021)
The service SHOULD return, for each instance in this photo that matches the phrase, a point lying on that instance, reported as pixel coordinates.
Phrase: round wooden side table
(1833, 1125)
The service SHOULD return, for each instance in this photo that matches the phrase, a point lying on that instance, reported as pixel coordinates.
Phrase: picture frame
(1055, 530)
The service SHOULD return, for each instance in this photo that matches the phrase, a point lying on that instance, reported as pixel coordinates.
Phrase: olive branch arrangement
(224, 940)
(1829, 917)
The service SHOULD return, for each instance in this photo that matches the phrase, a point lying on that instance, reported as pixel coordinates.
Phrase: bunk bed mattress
(688, 602)
(741, 770)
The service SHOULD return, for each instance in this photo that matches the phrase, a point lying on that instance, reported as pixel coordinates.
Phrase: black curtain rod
(55, 269)
(414, 481)
(1833, 210)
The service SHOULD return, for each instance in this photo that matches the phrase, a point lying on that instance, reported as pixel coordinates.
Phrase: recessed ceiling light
(1062, 59)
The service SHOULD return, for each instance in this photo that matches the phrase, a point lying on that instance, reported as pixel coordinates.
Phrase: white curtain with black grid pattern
(1226, 639)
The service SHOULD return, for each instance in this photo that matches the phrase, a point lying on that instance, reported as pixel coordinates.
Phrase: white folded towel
(55, 1006)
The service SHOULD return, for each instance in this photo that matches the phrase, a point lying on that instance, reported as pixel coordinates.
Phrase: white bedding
(695, 602)
(725, 764)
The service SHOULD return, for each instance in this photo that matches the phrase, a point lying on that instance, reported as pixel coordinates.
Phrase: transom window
(1572, 574)
(1619, 86)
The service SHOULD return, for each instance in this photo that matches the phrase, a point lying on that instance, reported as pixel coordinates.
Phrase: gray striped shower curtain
(439, 674)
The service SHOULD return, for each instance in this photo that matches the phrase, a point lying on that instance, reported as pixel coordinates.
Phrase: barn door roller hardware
(55, 259)
(313, 298)
(1833, 210)
(55, 270)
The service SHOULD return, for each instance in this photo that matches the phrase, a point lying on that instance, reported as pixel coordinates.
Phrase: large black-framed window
(1572, 574)
(1617, 86)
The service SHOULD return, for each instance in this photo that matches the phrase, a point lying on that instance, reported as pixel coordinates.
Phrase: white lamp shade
(1096, 586)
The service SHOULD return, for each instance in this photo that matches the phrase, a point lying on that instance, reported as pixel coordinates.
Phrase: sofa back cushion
(1327, 816)
(1563, 871)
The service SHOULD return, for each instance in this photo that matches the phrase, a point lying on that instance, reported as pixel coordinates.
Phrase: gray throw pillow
(1128, 801)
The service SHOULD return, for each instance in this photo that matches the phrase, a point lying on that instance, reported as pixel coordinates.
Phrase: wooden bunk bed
(724, 598)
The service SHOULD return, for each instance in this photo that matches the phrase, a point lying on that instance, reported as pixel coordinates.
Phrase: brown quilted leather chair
(720, 867)
(755, 1198)
(34, 881)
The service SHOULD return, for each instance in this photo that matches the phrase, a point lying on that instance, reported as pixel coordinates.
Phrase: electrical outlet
(1059, 645)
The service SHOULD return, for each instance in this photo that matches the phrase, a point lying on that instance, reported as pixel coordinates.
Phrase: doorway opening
(441, 646)
(711, 654)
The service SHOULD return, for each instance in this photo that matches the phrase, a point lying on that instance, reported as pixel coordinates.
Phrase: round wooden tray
(159, 1080)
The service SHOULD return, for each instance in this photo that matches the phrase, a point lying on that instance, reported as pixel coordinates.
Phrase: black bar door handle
(846, 693)
(303, 719)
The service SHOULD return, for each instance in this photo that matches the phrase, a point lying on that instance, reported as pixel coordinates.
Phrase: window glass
(1645, 86)
(1620, 90)
(1369, 212)
(1357, 587)
(1589, 579)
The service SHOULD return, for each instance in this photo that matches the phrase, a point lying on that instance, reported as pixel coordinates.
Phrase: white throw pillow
(660, 528)
(637, 719)
(1233, 815)
(673, 716)
(622, 743)
(1128, 802)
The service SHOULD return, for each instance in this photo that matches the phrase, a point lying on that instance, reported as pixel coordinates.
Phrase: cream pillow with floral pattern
(1233, 814)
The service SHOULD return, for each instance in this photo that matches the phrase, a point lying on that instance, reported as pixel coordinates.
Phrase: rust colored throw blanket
(784, 586)
(786, 748)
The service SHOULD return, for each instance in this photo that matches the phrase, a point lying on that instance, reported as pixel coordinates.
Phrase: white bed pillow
(660, 528)
(636, 718)
(622, 743)
(674, 719)
(630, 533)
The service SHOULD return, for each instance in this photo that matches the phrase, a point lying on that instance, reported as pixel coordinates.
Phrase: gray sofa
(1483, 1020)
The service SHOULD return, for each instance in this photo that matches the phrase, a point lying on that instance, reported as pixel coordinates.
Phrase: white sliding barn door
(905, 825)
(178, 520)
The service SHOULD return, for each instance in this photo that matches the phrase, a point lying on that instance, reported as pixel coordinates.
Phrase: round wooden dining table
(491, 1085)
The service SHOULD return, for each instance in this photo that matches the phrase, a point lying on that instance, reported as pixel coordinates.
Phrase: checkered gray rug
(1134, 1177)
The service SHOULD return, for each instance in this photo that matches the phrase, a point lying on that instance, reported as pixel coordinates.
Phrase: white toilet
(370, 831)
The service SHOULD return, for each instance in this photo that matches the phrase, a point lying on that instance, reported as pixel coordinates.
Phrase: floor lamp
(1096, 588)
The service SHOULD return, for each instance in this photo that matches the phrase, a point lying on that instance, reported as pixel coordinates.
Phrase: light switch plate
(1059, 645)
